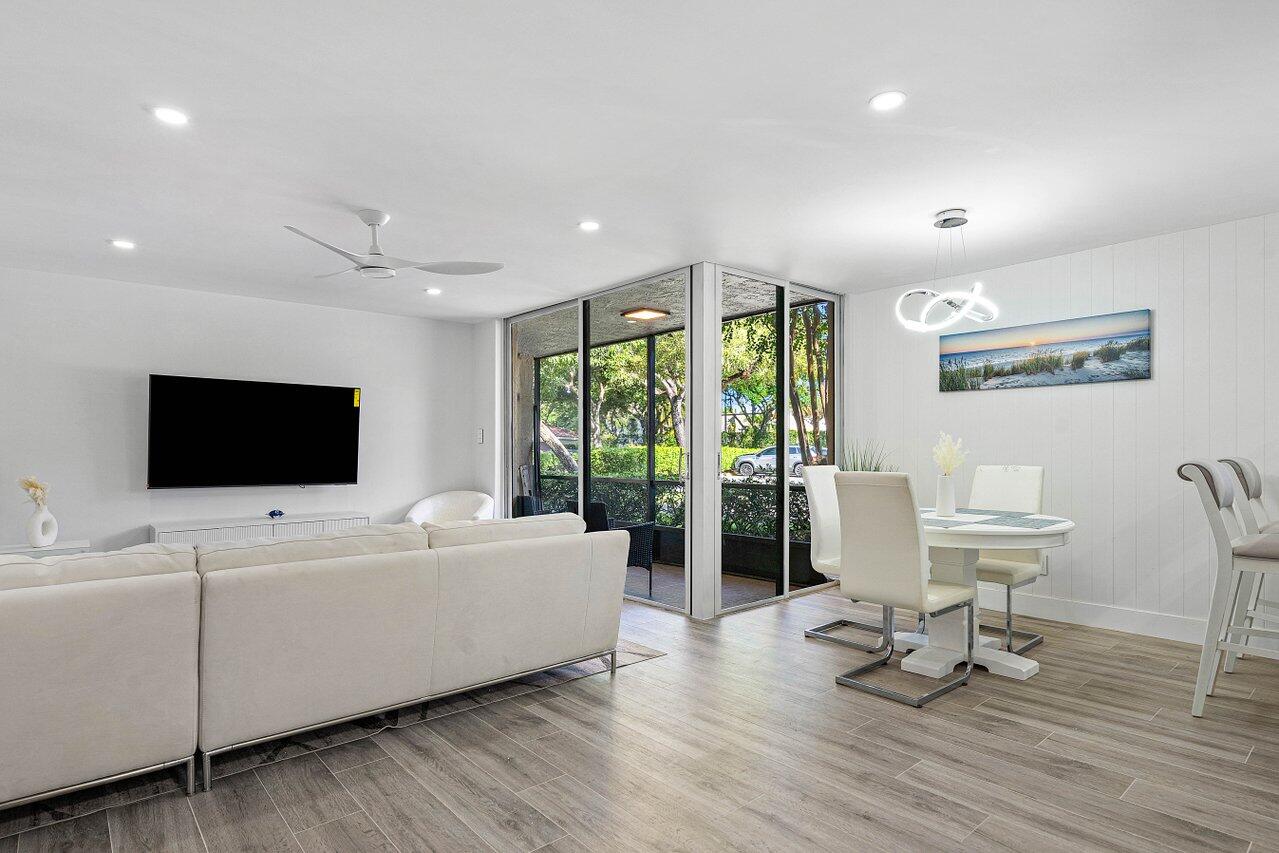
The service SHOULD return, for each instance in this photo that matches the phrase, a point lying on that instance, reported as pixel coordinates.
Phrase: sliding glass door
(810, 412)
(604, 421)
(635, 460)
(545, 412)
(755, 458)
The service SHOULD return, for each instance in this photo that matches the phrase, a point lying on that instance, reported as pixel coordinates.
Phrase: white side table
(69, 546)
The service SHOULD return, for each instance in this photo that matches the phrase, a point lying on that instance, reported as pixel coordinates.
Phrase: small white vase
(945, 496)
(42, 528)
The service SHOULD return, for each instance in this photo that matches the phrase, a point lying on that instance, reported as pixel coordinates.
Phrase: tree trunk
(557, 447)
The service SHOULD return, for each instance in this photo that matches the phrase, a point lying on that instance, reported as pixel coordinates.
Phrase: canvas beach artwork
(1080, 351)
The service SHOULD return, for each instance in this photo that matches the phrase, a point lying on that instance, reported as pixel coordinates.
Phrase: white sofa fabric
(293, 645)
(450, 534)
(355, 541)
(517, 606)
(98, 670)
(132, 659)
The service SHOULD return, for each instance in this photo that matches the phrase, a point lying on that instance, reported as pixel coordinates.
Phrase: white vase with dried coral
(949, 454)
(42, 527)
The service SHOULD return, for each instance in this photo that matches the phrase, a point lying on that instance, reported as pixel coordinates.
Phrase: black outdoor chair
(641, 551)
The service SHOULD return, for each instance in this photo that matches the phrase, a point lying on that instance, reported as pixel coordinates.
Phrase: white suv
(766, 460)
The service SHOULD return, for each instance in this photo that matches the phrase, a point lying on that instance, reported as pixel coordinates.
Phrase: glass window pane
(544, 413)
(636, 409)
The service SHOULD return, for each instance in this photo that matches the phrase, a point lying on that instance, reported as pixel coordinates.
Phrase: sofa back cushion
(97, 677)
(19, 572)
(450, 534)
(511, 607)
(297, 644)
(352, 542)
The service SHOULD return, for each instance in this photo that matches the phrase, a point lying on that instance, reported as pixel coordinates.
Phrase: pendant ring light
(964, 305)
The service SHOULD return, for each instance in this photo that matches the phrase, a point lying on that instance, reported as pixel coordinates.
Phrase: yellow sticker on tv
(357, 398)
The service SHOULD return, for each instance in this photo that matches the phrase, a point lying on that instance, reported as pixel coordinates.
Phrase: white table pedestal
(938, 652)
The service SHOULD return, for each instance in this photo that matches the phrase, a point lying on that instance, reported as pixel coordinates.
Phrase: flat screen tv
(224, 432)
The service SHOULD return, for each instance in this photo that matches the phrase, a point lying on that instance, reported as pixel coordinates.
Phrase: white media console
(261, 527)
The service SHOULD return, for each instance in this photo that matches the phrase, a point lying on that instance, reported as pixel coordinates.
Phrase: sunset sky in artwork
(1047, 334)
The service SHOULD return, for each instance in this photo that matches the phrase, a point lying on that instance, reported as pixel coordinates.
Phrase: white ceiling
(724, 130)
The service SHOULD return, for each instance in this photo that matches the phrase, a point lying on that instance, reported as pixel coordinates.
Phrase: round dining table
(953, 546)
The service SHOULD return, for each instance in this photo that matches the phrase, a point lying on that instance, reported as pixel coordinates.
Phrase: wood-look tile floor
(739, 739)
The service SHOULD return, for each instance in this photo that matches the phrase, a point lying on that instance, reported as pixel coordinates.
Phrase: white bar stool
(1256, 519)
(1238, 557)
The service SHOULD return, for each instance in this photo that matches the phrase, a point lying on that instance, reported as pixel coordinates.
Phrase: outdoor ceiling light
(645, 314)
(589, 225)
(885, 101)
(124, 244)
(169, 115)
(964, 305)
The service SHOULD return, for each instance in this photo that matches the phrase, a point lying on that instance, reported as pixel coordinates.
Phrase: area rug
(80, 803)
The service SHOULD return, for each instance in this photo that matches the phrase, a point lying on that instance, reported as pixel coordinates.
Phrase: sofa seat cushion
(450, 534)
(352, 542)
(19, 572)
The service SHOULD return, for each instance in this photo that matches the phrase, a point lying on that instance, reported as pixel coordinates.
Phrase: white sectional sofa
(98, 668)
(101, 673)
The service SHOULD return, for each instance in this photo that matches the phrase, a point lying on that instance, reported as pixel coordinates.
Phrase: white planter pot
(945, 496)
(42, 528)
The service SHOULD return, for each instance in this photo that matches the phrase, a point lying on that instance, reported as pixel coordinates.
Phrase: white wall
(1140, 558)
(487, 362)
(74, 358)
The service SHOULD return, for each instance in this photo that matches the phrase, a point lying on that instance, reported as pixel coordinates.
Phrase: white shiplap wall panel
(1111, 450)
(1196, 410)
(1146, 432)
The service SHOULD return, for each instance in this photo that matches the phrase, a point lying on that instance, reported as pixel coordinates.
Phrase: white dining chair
(1237, 555)
(884, 560)
(823, 518)
(1019, 488)
(1248, 603)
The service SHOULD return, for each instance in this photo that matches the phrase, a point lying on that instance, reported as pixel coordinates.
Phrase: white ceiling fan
(378, 265)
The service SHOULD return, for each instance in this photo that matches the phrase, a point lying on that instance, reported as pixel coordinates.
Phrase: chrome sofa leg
(612, 662)
(188, 776)
(886, 647)
(206, 771)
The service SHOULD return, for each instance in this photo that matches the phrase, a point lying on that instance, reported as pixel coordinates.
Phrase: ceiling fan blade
(460, 267)
(339, 272)
(350, 256)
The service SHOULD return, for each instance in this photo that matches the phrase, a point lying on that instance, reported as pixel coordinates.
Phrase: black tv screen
(224, 432)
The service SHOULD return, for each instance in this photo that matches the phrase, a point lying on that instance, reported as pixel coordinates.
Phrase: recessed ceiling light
(169, 115)
(645, 313)
(124, 244)
(885, 101)
(433, 291)
(589, 225)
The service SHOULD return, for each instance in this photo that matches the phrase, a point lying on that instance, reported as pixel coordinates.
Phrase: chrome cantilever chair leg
(822, 632)
(1032, 639)
(886, 647)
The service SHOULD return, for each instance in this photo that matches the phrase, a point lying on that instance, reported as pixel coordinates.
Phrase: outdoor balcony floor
(668, 587)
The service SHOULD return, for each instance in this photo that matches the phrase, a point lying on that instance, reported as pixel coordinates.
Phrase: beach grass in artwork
(1084, 350)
